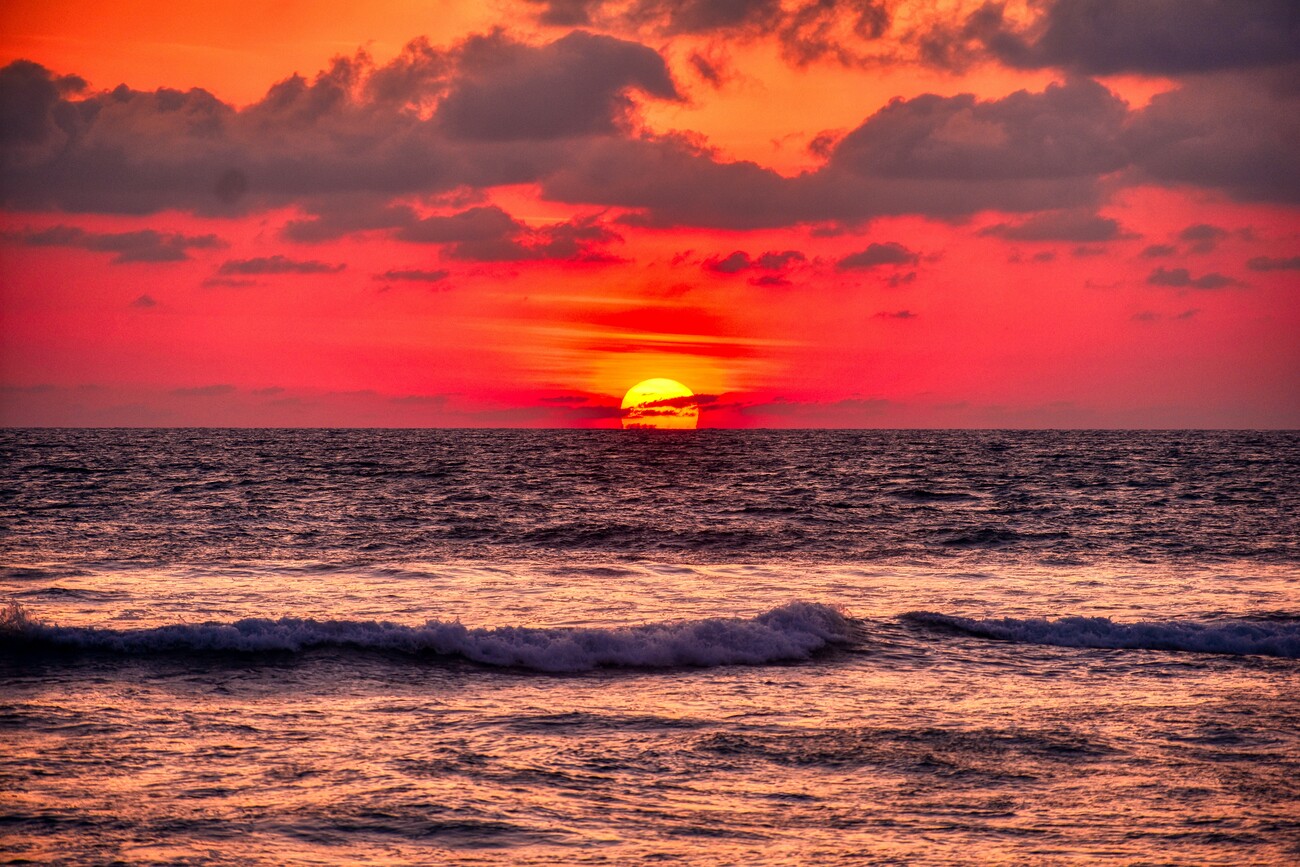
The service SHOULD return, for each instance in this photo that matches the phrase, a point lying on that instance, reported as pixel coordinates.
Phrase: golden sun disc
(660, 404)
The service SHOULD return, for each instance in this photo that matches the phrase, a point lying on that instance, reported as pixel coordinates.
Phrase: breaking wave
(1237, 637)
(791, 632)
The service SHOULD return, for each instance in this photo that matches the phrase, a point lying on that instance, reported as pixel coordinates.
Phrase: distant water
(714, 647)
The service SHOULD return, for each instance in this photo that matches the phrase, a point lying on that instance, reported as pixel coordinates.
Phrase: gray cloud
(806, 31)
(352, 147)
(1269, 263)
(1181, 278)
(1079, 226)
(277, 265)
(1104, 37)
(573, 87)
(488, 234)
(1203, 237)
(414, 275)
(888, 253)
(772, 260)
(145, 245)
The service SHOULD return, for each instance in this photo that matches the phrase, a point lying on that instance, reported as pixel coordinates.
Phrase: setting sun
(663, 404)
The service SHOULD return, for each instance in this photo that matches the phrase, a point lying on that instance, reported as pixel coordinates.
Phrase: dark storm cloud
(888, 253)
(1268, 263)
(1103, 37)
(145, 245)
(1060, 226)
(278, 265)
(1181, 278)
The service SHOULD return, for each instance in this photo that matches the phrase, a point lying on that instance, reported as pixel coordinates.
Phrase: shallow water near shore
(722, 648)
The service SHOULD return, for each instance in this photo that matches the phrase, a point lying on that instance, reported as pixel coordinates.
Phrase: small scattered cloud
(731, 264)
(1202, 237)
(888, 253)
(772, 260)
(144, 302)
(1181, 278)
(278, 264)
(1156, 251)
(899, 314)
(414, 275)
(1269, 263)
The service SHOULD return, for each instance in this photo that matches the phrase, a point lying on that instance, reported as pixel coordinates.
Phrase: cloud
(772, 260)
(145, 245)
(1158, 250)
(900, 314)
(204, 391)
(144, 302)
(888, 253)
(278, 264)
(575, 86)
(489, 234)
(806, 30)
(1079, 226)
(414, 275)
(485, 112)
(1203, 237)
(1235, 132)
(355, 146)
(1268, 263)
(737, 261)
(1182, 279)
(1105, 37)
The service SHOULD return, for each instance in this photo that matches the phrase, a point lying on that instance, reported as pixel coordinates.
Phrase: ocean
(623, 647)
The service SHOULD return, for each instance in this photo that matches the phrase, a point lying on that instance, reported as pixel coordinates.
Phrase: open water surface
(706, 647)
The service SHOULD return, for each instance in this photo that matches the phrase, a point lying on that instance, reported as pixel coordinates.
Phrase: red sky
(1078, 213)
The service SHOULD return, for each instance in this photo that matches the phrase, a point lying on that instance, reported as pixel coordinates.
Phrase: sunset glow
(660, 404)
(819, 215)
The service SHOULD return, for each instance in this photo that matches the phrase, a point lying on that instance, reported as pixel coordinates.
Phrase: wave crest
(1237, 638)
(791, 632)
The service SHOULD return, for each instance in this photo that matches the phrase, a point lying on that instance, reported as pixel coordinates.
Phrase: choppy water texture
(606, 647)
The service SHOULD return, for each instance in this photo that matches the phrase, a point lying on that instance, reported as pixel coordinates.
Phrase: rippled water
(619, 647)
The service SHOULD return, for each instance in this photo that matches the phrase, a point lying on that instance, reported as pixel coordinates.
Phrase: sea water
(711, 647)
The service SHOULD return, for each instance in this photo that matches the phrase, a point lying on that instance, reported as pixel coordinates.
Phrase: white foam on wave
(790, 632)
(1237, 637)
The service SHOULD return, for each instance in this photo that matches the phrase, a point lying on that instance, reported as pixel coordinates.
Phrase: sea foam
(1234, 637)
(791, 632)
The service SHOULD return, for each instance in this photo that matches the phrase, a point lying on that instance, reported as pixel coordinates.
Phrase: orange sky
(809, 224)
